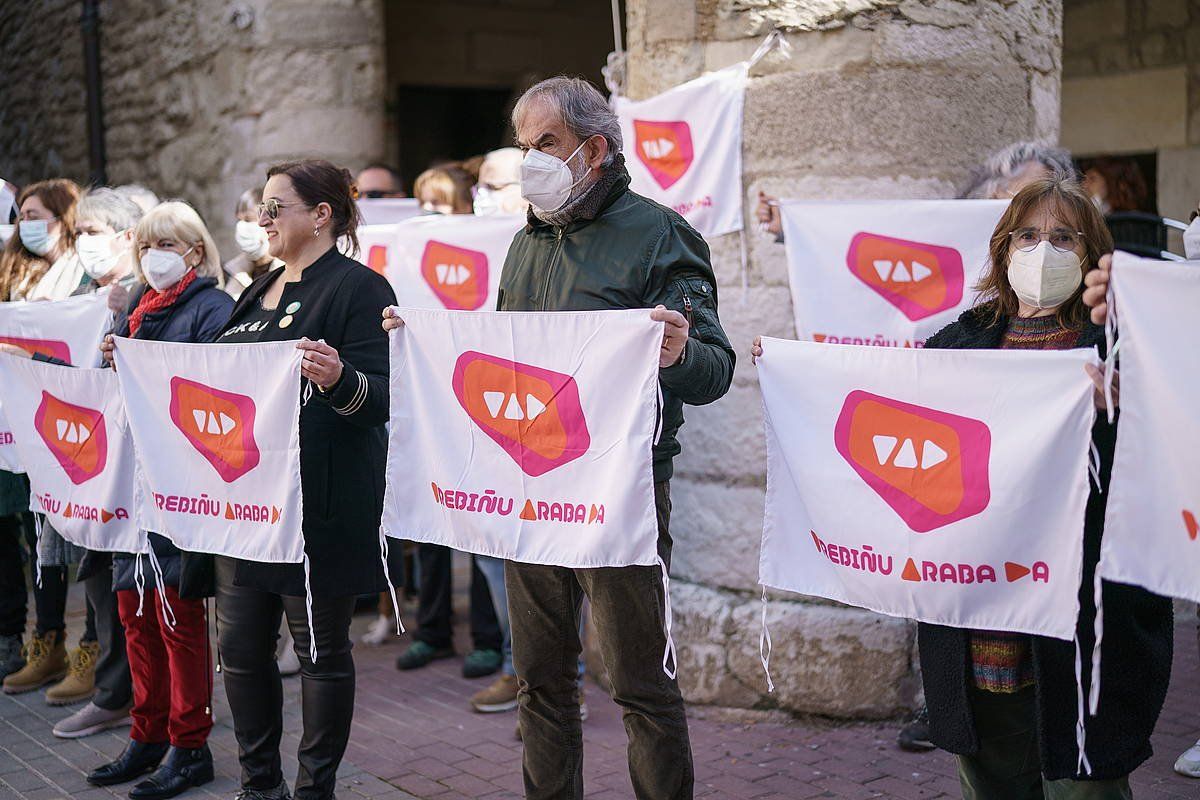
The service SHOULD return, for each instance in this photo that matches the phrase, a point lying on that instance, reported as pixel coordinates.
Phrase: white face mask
(486, 203)
(251, 239)
(1044, 277)
(35, 235)
(547, 181)
(1191, 240)
(95, 251)
(164, 268)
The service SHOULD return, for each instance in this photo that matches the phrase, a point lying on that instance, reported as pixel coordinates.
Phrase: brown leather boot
(80, 683)
(45, 662)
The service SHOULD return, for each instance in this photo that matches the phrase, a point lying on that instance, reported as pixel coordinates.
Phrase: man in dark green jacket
(593, 244)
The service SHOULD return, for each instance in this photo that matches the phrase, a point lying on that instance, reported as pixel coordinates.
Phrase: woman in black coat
(332, 304)
(1007, 704)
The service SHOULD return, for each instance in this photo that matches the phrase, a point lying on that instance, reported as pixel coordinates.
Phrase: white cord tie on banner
(1094, 689)
(37, 549)
(774, 39)
(1082, 766)
(308, 609)
(670, 660)
(168, 613)
(139, 582)
(764, 644)
(1112, 345)
(387, 576)
(1094, 465)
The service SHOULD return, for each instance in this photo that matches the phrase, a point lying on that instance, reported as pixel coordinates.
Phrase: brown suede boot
(45, 662)
(80, 683)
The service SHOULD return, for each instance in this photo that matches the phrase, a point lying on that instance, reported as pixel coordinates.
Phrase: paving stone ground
(414, 736)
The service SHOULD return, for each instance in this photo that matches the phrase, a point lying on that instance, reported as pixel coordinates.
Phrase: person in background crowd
(1096, 297)
(171, 664)
(38, 263)
(104, 242)
(8, 209)
(472, 166)
(1006, 703)
(253, 259)
(326, 300)
(143, 197)
(499, 187)
(598, 244)
(379, 180)
(444, 190)
(1115, 185)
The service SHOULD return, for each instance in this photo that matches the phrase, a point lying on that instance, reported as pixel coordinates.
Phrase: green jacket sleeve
(683, 278)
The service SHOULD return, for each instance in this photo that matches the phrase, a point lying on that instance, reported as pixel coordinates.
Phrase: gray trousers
(114, 687)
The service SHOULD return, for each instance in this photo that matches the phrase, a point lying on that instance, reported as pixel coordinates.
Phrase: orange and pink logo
(377, 258)
(919, 279)
(534, 414)
(46, 347)
(75, 435)
(665, 148)
(1191, 525)
(929, 466)
(458, 276)
(219, 424)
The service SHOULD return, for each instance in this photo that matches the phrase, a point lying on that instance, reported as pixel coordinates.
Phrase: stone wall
(880, 99)
(1131, 84)
(200, 96)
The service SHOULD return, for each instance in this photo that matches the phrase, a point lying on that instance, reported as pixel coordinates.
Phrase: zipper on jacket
(553, 263)
(687, 304)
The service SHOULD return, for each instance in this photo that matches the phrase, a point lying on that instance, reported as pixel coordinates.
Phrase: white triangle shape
(493, 401)
(84, 433)
(907, 457)
(441, 270)
(883, 447)
(920, 271)
(883, 267)
(513, 409)
(901, 274)
(198, 415)
(61, 426)
(932, 455)
(464, 274)
(72, 434)
(533, 406)
(227, 423)
(214, 427)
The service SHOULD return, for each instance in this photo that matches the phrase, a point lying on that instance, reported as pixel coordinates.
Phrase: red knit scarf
(154, 300)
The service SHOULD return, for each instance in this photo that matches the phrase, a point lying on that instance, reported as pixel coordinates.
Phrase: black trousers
(50, 599)
(434, 593)
(114, 687)
(247, 630)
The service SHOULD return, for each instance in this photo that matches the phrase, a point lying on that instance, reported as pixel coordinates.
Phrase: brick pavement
(415, 737)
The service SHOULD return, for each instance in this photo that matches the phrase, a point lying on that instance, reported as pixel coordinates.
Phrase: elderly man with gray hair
(592, 244)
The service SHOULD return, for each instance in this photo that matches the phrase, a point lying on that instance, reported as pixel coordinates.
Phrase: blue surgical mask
(35, 235)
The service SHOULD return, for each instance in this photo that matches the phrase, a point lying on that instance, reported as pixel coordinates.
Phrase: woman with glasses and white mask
(331, 303)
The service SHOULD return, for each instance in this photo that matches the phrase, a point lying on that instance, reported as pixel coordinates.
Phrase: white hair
(583, 109)
(1002, 165)
(108, 206)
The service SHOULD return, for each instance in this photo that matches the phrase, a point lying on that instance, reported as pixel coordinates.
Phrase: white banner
(216, 430)
(387, 210)
(69, 330)
(74, 441)
(525, 436)
(1152, 526)
(683, 148)
(890, 273)
(943, 486)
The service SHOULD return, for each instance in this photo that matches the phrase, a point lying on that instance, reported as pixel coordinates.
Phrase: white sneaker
(380, 631)
(285, 656)
(91, 719)
(1188, 764)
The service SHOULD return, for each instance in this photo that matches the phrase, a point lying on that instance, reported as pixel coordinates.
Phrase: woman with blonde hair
(445, 190)
(171, 670)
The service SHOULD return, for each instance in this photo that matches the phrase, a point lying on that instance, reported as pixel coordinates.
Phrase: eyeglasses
(1061, 239)
(272, 206)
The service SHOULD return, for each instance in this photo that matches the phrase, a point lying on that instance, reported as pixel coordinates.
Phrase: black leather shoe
(181, 770)
(136, 760)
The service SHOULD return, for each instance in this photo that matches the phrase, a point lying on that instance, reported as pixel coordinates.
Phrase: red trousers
(171, 670)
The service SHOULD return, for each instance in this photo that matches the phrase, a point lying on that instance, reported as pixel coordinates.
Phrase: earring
(316, 231)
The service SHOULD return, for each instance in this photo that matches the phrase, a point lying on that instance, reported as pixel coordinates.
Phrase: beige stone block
(284, 23)
(940, 13)
(701, 633)
(1178, 182)
(1045, 98)
(669, 21)
(834, 661)
(1095, 23)
(736, 19)
(927, 44)
(717, 530)
(339, 134)
(1127, 113)
(724, 440)
(810, 51)
(661, 67)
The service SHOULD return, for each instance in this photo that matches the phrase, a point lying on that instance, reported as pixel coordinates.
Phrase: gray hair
(584, 110)
(1002, 165)
(139, 194)
(108, 206)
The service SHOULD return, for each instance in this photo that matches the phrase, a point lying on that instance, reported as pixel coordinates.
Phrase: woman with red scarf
(171, 668)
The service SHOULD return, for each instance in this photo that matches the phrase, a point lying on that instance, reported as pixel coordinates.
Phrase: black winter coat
(343, 443)
(1135, 654)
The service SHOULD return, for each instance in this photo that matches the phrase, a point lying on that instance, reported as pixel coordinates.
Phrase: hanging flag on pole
(886, 273)
(1152, 522)
(216, 430)
(966, 473)
(69, 330)
(73, 438)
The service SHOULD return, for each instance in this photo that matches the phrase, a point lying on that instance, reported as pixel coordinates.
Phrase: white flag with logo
(73, 438)
(525, 436)
(217, 436)
(890, 273)
(683, 148)
(388, 210)
(449, 261)
(69, 330)
(944, 486)
(1152, 523)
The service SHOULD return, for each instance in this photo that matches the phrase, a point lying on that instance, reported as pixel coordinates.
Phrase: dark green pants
(1007, 766)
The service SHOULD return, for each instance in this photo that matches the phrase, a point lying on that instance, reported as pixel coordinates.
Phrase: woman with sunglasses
(332, 304)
